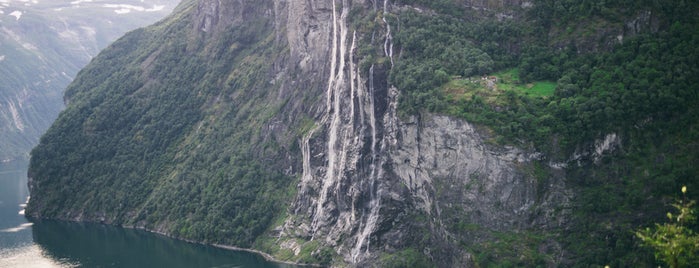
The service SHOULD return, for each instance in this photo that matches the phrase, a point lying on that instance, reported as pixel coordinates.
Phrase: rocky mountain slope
(43, 46)
(395, 134)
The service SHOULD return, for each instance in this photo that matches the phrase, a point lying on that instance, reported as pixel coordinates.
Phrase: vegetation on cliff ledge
(623, 67)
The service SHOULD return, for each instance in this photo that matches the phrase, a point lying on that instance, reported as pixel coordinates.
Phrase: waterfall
(354, 79)
(388, 43)
(307, 176)
(370, 217)
(333, 62)
(336, 86)
(333, 107)
(347, 183)
(360, 95)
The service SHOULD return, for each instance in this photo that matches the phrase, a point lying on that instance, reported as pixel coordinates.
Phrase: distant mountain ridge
(42, 46)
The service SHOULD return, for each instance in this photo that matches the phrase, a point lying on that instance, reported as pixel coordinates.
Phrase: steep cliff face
(365, 172)
(329, 125)
(275, 125)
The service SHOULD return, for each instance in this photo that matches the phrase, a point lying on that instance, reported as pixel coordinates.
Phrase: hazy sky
(16, 8)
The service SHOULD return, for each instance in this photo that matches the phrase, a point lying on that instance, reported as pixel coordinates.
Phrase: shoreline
(268, 257)
(265, 255)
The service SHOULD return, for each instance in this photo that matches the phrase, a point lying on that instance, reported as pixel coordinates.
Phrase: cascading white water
(355, 82)
(333, 63)
(336, 86)
(332, 99)
(388, 43)
(369, 220)
(306, 153)
(350, 114)
(353, 77)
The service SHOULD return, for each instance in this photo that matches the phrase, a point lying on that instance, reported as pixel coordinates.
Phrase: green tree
(673, 242)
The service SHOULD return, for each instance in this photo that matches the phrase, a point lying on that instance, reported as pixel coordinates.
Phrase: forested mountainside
(387, 133)
(42, 47)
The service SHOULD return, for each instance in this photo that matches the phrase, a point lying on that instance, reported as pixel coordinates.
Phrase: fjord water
(65, 244)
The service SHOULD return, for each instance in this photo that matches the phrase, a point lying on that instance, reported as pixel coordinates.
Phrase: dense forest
(644, 88)
(182, 122)
(114, 126)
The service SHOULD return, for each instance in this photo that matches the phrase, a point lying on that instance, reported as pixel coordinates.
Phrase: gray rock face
(337, 201)
(364, 171)
(485, 181)
(214, 16)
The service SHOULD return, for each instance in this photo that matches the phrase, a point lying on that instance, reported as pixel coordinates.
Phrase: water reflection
(31, 256)
(14, 229)
(21, 227)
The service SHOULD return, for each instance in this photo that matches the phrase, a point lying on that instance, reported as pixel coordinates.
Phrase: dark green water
(63, 244)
